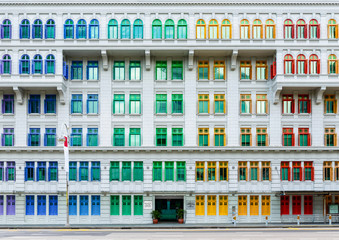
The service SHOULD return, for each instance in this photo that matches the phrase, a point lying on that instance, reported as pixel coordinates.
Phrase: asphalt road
(173, 234)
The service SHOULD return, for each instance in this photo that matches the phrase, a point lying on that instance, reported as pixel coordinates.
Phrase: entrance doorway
(168, 207)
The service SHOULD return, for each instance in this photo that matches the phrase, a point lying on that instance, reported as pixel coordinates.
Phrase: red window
(289, 64)
(308, 171)
(308, 205)
(285, 205)
(288, 104)
(285, 171)
(288, 137)
(304, 104)
(314, 29)
(297, 171)
(301, 64)
(304, 137)
(288, 29)
(301, 29)
(314, 64)
(296, 205)
(273, 70)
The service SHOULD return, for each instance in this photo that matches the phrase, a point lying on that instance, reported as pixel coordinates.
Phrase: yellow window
(211, 205)
(200, 171)
(211, 171)
(213, 29)
(332, 30)
(246, 137)
(223, 171)
(254, 171)
(242, 205)
(336, 172)
(262, 103)
(245, 70)
(219, 70)
(254, 205)
(219, 137)
(257, 29)
(242, 171)
(330, 137)
(203, 70)
(332, 64)
(219, 103)
(244, 29)
(204, 137)
(330, 104)
(201, 29)
(203, 103)
(261, 70)
(265, 205)
(223, 205)
(262, 137)
(245, 103)
(270, 29)
(327, 171)
(226, 29)
(200, 205)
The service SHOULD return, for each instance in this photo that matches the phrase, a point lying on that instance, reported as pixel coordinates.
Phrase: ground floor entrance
(168, 207)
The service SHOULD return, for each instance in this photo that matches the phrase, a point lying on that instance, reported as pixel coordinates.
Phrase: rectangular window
(242, 171)
(262, 103)
(34, 137)
(126, 205)
(297, 171)
(29, 171)
(223, 205)
(53, 171)
(200, 171)
(138, 205)
(161, 70)
(29, 205)
(245, 103)
(119, 70)
(50, 137)
(177, 70)
(95, 171)
(161, 103)
(134, 137)
(119, 137)
(83, 205)
(8, 137)
(95, 205)
(53, 205)
(161, 137)
(242, 205)
(219, 70)
(34, 104)
(115, 205)
(76, 70)
(288, 104)
(223, 171)
(330, 104)
(304, 137)
(114, 171)
(10, 171)
(134, 70)
(203, 70)
(336, 171)
(73, 209)
(246, 137)
(41, 171)
(285, 205)
(254, 171)
(126, 171)
(134, 104)
(245, 70)
(203, 135)
(199, 205)
(41, 205)
(1, 171)
(211, 205)
(308, 205)
(1, 205)
(304, 104)
(204, 103)
(76, 103)
(92, 70)
(10, 205)
(8, 104)
(177, 103)
(211, 171)
(177, 137)
(119, 104)
(296, 205)
(262, 137)
(157, 171)
(261, 70)
(266, 171)
(328, 171)
(181, 171)
(50, 104)
(330, 137)
(219, 137)
(83, 171)
(76, 137)
(219, 103)
(308, 171)
(92, 137)
(254, 205)
(288, 137)
(265, 205)
(285, 171)
(92, 104)
(138, 171)
(169, 171)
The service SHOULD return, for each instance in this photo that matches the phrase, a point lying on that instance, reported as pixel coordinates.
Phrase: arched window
(301, 29)
(270, 29)
(213, 29)
(6, 29)
(113, 29)
(314, 64)
(81, 29)
(314, 29)
(301, 64)
(125, 29)
(169, 29)
(24, 64)
(332, 29)
(94, 29)
(37, 29)
(37, 64)
(69, 29)
(50, 29)
(288, 29)
(138, 29)
(50, 64)
(6, 66)
(257, 29)
(182, 29)
(289, 64)
(24, 29)
(201, 29)
(244, 29)
(156, 29)
(226, 29)
(332, 64)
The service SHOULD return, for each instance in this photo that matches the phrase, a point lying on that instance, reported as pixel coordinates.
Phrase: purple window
(1, 171)
(8, 104)
(10, 205)
(10, 171)
(1, 205)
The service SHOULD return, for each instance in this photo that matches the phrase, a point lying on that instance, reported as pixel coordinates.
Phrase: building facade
(225, 109)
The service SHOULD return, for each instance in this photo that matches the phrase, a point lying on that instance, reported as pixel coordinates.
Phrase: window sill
(135, 114)
(261, 80)
(245, 80)
(92, 80)
(119, 114)
(8, 114)
(220, 114)
(177, 114)
(50, 114)
(34, 114)
(203, 80)
(219, 80)
(76, 114)
(76, 80)
(177, 80)
(304, 114)
(262, 114)
(245, 114)
(330, 114)
(203, 114)
(160, 114)
(135, 80)
(93, 114)
(161, 80)
(287, 114)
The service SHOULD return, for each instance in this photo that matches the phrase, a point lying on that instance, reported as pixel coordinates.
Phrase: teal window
(69, 29)
(94, 29)
(34, 137)
(138, 205)
(76, 70)
(6, 29)
(138, 171)
(50, 64)
(169, 29)
(41, 171)
(76, 137)
(6, 65)
(169, 171)
(119, 137)
(83, 171)
(135, 70)
(53, 171)
(81, 32)
(161, 137)
(134, 137)
(114, 170)
(95, 171)
(76, 103)
(182, 29)
(245, 137)
(177, 103)
(119, 104)
(115, 205)
(72, 171)
(177, 137)
(219, 137)
(119, 70)
(37, 64)
(134, 104)
(25, 29)
(24, 64)
(92, 103)
(156, 29)
(157, 171)
(181, 171)
(203, 102)
(50, 29)
(126, 205)
(161, 70)
(219, 103)
(92, 70)
(161, 103)
(92, 137)
(50, 137)
(138, 29)
(125, 29)
(126, 172)
(113, 29)
(177, 70)
(37, 29)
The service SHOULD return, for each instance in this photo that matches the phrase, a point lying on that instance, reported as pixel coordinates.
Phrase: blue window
(24, 64)
(50, 104)
(73, 205)
(125, 29)
(53, 205)
(29, 205)
(83, 171)
(65, 70)
(37, 29)
(50, 64)
(69, 29)
(92, 137)
(53, 171)
(25, 29)
(95, 171)
(50, 137)
(8, 137)
(37, 64)
(8, 104)
(138, 32)
(76, 137)
(112, 29)
(29, 171)
(92, 103)
(81, 29)
(83, 205)
(50, 29)
(34, 137)
(92, 70)
(41, 205)
(94, 29)
(72, 171)
(6, 29)
(6, 65)
(34, 104)
(95, 205)
(76, 103)
(41, 171)
(76, 70)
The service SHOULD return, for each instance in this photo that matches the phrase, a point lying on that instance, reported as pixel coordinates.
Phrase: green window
(92, 137)
(138, 205)
(177, 70)
(72, 171)
(177, 137)
(83, 171)
(134, 137)
(76, 137)
(138, 171)
(245, 140)
(126, 205)
(95, 171)
(135, 70)
(119, 137)
(41, 171)
(177, 103)
(254, 174)
(119, 70)
(134, 104)
(161, 136)
(119, 104)
(288, 139)
(113, 29)
(181, 171)
(169, 29)
(169, 171)
(157, 171)
(161, 70)
(161, 103)
(126, 173)
(182, 29)
(303, 139)
(114, 172)
(115, 205)
(53, 171)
